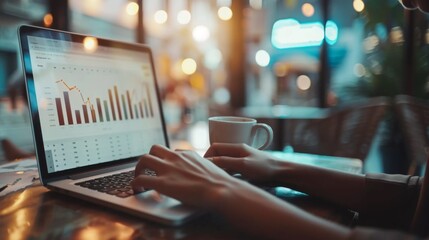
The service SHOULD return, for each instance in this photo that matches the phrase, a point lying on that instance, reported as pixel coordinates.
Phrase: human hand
(183, 175)
(254, 165)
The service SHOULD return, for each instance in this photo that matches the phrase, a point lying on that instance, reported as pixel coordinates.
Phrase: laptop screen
(96, 100)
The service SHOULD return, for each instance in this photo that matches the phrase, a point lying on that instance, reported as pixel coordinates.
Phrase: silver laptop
(95, 109)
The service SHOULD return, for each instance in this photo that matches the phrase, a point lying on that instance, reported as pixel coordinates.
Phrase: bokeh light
(212, 58)
(262, 58)
(200, 33)
(160, 17)
(370, 43)
(290, 33)
(224, 13)
(303, 82)
(184, 17)
(359, 70)
(189, 66)
(376, 67)
(307, 9)
(396, 35)
(255, 4)
(48, 19)
(280, 69)
(90, 44)
(331, 32)
(198, 82)
(132, 8)
(427, 36)
(358, 5)
(92, 7)
(176, 71)
(221, 96)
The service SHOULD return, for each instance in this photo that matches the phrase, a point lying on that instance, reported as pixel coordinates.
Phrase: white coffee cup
(228, 129)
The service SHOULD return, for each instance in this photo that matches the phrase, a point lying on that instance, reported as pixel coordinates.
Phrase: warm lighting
(132, 8)
(184, 17)
(90, 44)
(19, 224)
(189, 66)
(98, 230)
(255, 4)
(224, 13)
(198, 82)
(48, 19)
(161, 16)
(358, 5)
(303, 82)
(89, 232)
(280, 69)
(200, 33)
(262, 58)
(396, 35)
(92, 7)
(212, 58)
(359, 70)
(15, 204)
(307, 9)
(176, 71)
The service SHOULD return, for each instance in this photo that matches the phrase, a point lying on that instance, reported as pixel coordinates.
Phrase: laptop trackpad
(153, 198)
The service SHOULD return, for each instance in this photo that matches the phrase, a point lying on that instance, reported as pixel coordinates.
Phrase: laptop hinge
(101, 171)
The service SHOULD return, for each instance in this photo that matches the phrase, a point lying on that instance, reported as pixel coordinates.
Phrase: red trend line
(71, 88)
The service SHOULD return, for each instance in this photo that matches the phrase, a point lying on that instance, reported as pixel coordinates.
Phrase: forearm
(338, 187)
(258, 213)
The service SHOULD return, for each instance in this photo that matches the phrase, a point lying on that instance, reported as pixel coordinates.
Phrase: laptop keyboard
(116, 184)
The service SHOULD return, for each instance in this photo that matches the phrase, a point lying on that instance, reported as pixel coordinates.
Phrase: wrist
(281, 171)
(222, 193)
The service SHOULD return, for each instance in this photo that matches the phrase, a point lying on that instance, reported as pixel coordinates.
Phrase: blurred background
(268, 59)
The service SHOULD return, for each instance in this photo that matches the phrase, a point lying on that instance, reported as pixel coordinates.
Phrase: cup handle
(267, 130)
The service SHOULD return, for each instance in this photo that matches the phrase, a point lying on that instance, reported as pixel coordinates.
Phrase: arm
(247, 207)
(196, 181)
(260, 167)
(382, 200)
(341, 188)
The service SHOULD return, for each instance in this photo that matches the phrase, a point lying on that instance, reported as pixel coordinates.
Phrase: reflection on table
(39, 213)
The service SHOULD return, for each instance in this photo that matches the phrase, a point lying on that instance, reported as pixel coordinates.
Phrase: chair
(347, 131)
(302, 135)
(413, 116)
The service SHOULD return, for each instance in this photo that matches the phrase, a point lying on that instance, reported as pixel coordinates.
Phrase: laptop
(95, 108)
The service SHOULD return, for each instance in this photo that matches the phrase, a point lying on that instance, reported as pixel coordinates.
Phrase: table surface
(38, 213)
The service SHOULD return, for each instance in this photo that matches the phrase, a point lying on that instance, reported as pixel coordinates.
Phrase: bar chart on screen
(73, 97)
(92, 113)
(113, 106)
(93, 107)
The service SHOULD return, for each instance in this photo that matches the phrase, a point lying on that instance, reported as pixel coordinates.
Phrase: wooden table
(38, 213)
